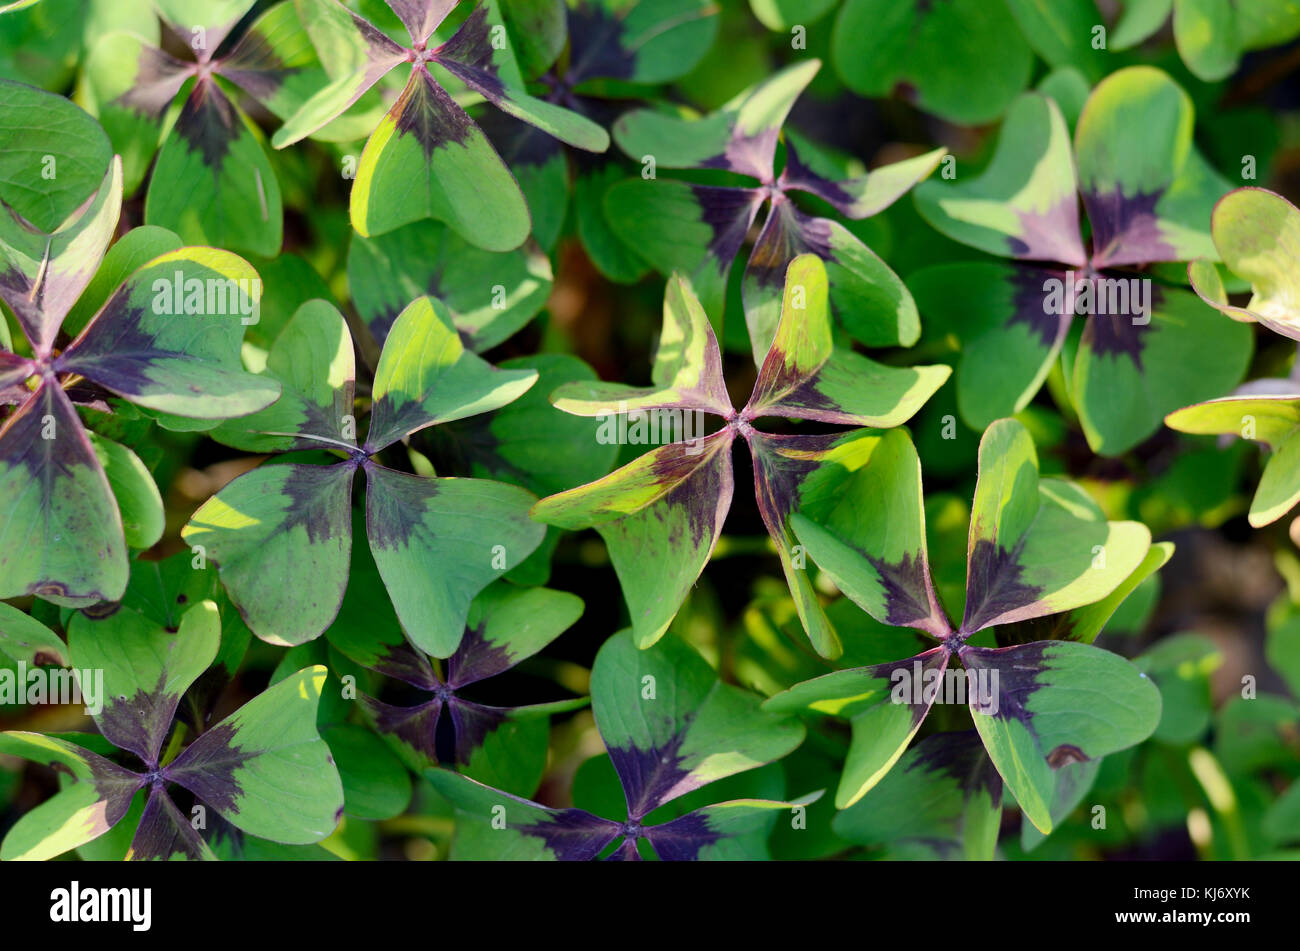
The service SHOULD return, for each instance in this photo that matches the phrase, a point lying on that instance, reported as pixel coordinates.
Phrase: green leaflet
(54, 488)
(312, 361)
(1061, 32)
(687, 371)
(131, 102)
(63, 157)
(42, 273)
(868, 501)
(221, 188)
(128, 254)
(146, 670)
(1038, 547)
(1257, 233)
(1181, 666)
(1127, 376)
(666, 506)
(670, 726)
(1126, 179)
(804, 376)
(408, 171)
(426, 376)
(884, 714)
(943, 799)
(438, 542)
(82, 811)
(375, 783)
(1268, 419)
(1138, 20)
(1023, 204)
(1206, 34)
(937, 53)
(184, 315)
(24, 638)
(265, 768)
(138, 502)
(1008, 342)
(1059, 702)
(281, 535)
(754, 118)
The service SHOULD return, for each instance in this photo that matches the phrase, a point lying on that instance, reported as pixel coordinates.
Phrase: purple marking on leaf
(778, 477)
(993, 585)
(748, 154)
(729, 212)
(799, 177)
(476, 659)
(403, 662)
(703, 488)
(417, 727)
(1126, 229)
(26, 298)
(962, 756)
(597, 45)
(573, 835)
(473, 722)
(626, 852)
(14, 371)
(114, 784)
(22, 444)
(425, 111)
(518, 143)
(1028, 299)
(796, 385)
(682, 839)
(786, 234)
(653, 776)
(421, 17)
(1116, 335)
(1019, 670)
(303, 489)
(208, 123)
(103, 346)
(256, 67)
(207, 768)
(163, 832)
(468, 56)
(909, 593)
(139, 723)
(158, 79)
(1050, 236)
(388, 525)
(41, 300)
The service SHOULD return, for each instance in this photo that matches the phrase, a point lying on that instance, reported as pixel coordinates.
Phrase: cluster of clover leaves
(453, 223)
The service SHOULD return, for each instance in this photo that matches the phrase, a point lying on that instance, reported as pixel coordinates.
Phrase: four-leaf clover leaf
(282, 533)
(428, 158)
(667, 507)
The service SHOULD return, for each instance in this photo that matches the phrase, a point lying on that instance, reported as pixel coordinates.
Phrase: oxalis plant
(282, 534)
(373, 375)
(426, 141)
(264, 769)
(1257, 233)
(1037, 548)
(1147, 195)
(670, 503)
